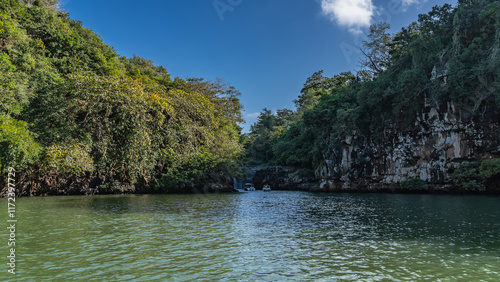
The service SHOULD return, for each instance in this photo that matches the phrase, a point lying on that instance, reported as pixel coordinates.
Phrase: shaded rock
(442, 142)
(285, 178)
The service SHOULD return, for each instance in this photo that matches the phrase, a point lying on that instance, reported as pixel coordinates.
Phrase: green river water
(255, 236)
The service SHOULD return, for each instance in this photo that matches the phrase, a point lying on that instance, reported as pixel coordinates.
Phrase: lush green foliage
(265, 134)
(467, 171)
(473, 185)
(473, 176)
(413, 184)
(467, 175)
(71, 105)
(17, 145)
(490, 168)
(449, 54)
(73, 159)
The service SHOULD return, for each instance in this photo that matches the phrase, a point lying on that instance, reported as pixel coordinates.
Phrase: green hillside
(75, 117)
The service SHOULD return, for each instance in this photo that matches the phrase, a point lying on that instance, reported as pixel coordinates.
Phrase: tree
(224, 95)
(401, 41)
(438, 22)
(266, 132)
(50, 4)
(315, 86)
(17, 145)
(376, 49)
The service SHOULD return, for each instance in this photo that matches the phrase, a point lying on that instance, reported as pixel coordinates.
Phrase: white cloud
(405, 4)
(252, 115)
(411, 2)
(353, 14)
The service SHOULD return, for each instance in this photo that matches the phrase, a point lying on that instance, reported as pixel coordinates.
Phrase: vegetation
(72, 110)
(468, 176)
(490, 169)
(413, 184)
(476, 176)
(449, 54)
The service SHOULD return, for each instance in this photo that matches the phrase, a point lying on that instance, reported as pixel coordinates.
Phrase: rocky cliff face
(435, 145)
(285, 178)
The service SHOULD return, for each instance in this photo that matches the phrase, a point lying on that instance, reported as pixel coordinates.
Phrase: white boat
(266, 188)
(249, 187)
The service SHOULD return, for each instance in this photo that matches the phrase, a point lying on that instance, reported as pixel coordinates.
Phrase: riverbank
(289, 178)
(278, 177)
(29, 183)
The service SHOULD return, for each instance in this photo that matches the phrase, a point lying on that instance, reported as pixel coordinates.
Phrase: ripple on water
(259, 236)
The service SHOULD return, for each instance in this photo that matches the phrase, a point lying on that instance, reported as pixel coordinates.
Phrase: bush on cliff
(490, 168)
(414, 184)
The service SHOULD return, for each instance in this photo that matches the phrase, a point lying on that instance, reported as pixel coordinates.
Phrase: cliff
(420, 158)
(285, 178)
(438, 143)
(422, 115)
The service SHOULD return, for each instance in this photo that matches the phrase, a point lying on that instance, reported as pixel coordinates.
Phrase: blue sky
(265, 48)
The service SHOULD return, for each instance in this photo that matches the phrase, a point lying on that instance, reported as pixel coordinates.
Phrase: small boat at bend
(249, 187)
(266, 188)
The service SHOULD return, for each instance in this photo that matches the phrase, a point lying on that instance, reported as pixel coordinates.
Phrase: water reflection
(258, 236)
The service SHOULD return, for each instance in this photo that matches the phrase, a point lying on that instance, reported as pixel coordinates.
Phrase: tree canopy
(73, 111)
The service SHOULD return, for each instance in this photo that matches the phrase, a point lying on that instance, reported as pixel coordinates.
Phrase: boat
(266, 188)
(249, 187)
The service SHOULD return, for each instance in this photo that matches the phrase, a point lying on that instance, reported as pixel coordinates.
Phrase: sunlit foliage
(72, 107)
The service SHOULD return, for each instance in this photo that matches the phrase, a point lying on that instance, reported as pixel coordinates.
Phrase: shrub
(17, 145)
(73, 158)
(473, 186)
(466, 171)
(413, 184)
(490, 168)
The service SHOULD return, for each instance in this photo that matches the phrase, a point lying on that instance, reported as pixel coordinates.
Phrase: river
(274, 236)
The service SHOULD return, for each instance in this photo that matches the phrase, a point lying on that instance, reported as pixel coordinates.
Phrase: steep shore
(422, 157)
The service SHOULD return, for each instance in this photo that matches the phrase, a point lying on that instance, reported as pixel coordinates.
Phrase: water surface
(275, 236)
